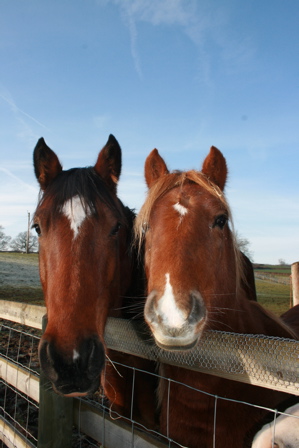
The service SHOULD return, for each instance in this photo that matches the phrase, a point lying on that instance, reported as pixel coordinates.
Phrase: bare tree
(243, 244)
(19, 244)
(4, 239)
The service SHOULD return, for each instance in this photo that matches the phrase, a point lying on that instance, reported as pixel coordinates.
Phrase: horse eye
(36, 227)
(115, 229)
(220, 221)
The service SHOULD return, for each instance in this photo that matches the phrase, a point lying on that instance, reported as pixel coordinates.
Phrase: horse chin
(73, 375)
(174, 347)
(175, 343)
(76, 395)
(73, 392)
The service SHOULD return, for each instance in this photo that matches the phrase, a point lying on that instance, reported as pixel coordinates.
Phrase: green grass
(26, 294)
(273, 296)
(273, 269)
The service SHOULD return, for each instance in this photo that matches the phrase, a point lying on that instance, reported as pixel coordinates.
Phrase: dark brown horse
(196, 282)
(88, 272)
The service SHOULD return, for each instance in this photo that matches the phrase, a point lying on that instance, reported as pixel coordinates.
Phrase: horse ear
(108, 165)
(154, 168)
(46, 164)
(215, 168)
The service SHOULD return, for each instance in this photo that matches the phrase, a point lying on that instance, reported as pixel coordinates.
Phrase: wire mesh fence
(268, 361)
(18, 411)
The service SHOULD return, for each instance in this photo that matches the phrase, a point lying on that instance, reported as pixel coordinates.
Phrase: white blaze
(171, 315)
(74, 211)
(180, 209)
(75, 355)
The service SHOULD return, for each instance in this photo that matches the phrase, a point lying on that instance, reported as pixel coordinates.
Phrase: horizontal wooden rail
(111, 433)
(11, 437)
(20, 378)
(262, 361)
(22, 313)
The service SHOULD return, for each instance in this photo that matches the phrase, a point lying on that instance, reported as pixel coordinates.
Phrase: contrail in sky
(16, 109)
(18, 179)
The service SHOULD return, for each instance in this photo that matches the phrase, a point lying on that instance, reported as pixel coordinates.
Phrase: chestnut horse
(195, 282)
(88, 272)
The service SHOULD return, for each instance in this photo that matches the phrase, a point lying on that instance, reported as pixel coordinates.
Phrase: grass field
(273, 296)
(19, 281)
(19, 278)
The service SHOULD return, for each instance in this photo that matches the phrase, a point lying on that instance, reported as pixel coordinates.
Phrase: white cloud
(201, 22)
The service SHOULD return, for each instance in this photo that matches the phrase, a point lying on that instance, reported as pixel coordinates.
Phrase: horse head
(85, 266)
(191, 259)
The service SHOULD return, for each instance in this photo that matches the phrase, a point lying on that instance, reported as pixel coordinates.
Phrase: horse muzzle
(77, 374)
(174, 327)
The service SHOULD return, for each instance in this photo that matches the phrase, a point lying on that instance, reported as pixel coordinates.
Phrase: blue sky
(178, 75)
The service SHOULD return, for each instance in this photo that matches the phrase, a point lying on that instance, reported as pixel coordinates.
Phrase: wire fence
(252, 359)
(18, 411)
(274, 278)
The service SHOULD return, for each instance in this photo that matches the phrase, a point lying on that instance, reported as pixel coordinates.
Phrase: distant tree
(4, 239)
(282, 262)
(19, 244)
(243, 244)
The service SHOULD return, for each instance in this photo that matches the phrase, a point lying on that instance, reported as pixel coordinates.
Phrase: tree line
(19, 243)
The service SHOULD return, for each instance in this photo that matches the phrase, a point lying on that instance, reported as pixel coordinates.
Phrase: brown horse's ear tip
(111, 138)
(40, 142)
(214, 149)
(153, 153)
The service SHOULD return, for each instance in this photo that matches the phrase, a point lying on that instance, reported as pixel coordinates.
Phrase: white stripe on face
(171, 315)
(180, 209)
(75, 355)
(74, 211)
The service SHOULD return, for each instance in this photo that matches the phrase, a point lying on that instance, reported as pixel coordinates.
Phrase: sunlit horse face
(83, 240)
(190, 256)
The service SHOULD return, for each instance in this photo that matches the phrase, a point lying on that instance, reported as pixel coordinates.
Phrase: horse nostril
(150, 310)
(198, 309)
(96, 358)
(46, 360)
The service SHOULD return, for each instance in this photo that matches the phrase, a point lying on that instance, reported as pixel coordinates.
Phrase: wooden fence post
(295, 282)
(55, 420)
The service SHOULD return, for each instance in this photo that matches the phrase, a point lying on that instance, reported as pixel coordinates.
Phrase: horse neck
(134, 291)
(135, 295)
